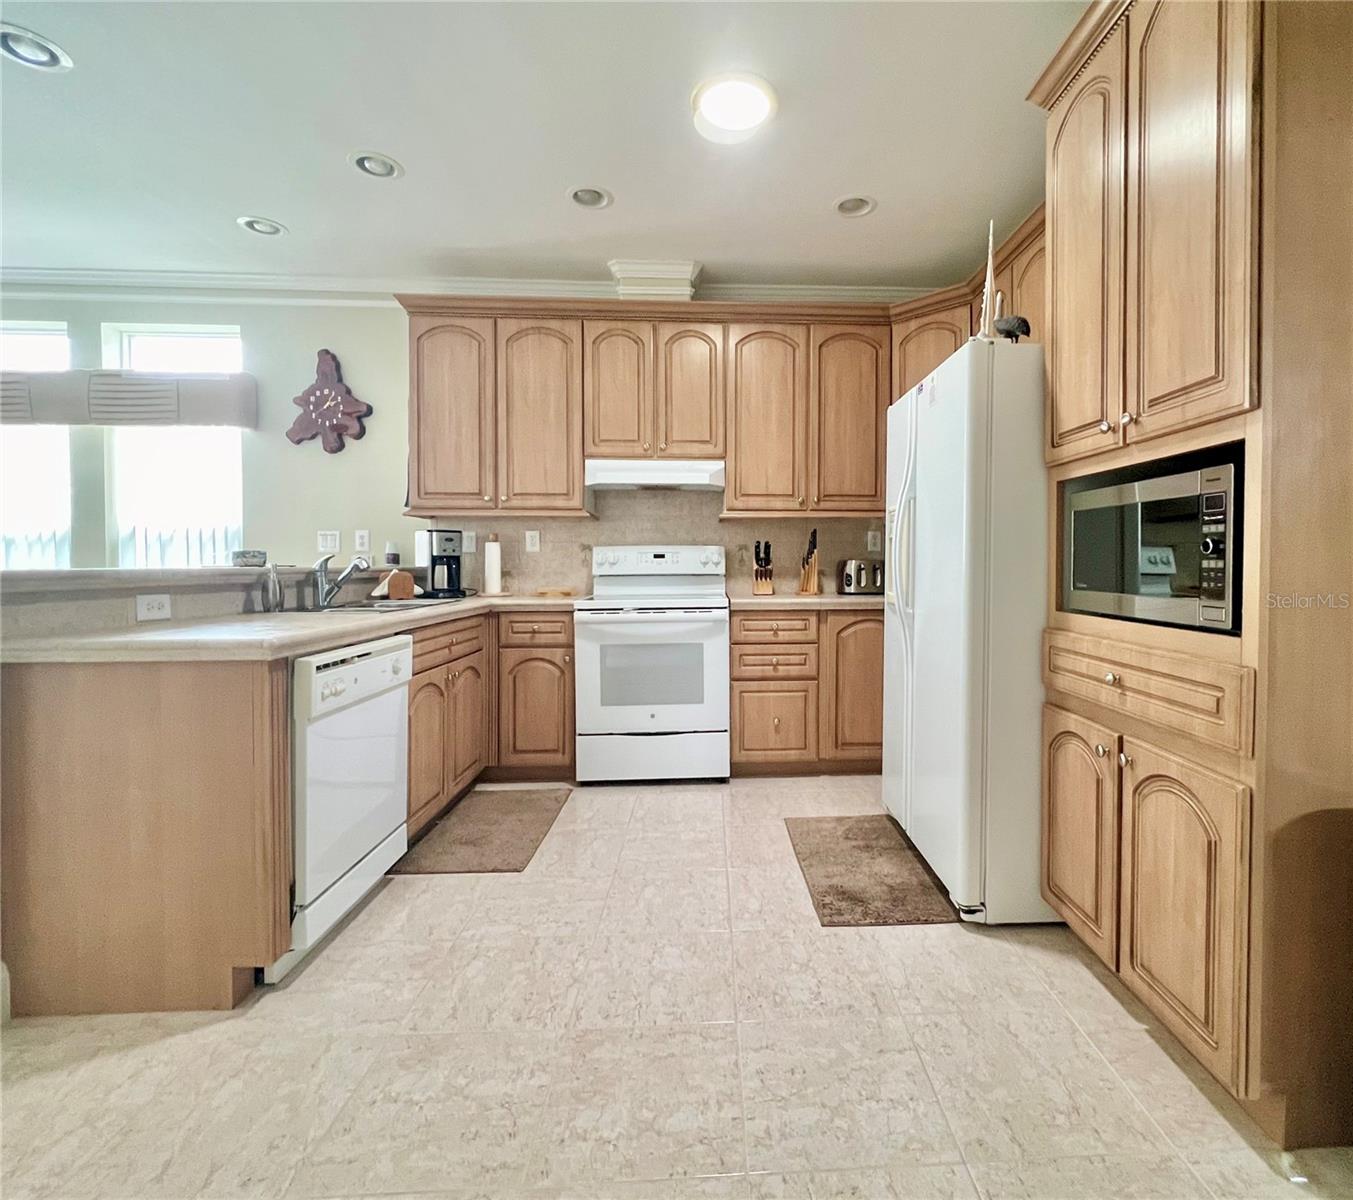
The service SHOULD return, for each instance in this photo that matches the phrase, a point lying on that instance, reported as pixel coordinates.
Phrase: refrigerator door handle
(893, 580)
(906, 553)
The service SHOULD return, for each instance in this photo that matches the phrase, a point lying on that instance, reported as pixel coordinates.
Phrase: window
(177, 491)
(35, 498)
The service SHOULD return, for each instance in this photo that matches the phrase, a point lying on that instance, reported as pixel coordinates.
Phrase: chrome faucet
(327, 590)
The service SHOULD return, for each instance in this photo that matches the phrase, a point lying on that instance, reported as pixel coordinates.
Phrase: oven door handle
(620, 620)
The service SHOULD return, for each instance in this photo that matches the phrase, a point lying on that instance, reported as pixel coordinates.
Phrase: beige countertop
(743, 598)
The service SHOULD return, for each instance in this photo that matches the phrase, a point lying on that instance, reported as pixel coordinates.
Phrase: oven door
(652, 671)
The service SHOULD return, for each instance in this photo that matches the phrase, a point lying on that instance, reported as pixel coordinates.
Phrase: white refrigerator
(964, 610)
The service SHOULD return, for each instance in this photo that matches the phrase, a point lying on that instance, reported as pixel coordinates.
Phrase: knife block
(763, 581)
(810, 582)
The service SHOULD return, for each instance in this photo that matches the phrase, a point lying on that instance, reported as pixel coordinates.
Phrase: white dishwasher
(350, 734)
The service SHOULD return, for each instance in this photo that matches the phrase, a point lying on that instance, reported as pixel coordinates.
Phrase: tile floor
(650, 1010)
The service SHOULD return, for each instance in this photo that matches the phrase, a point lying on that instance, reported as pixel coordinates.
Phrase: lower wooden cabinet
(851, 700)
(775, 722)
(429, 745)
(1185, 900)
(1146, 856)
(1080, 828)
(467, 718)
(535, 707)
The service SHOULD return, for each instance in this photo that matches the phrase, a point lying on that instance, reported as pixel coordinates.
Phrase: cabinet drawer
(535, 629)
(1210, 701)
(434, 645)
(774, 627)
(774, 722)
(775, 662)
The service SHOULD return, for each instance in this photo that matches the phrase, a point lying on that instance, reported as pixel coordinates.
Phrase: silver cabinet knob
(800, 501)
(535, 628)
(567, 659)
(774, 662)
(1105, 427)
(1124, 759)
(776, 722)
(814, 499)
(1101, 750)
(502, 499)
(648, 446)
(1126, 419)
(1110, 678)
(775, 625)
(662, 445)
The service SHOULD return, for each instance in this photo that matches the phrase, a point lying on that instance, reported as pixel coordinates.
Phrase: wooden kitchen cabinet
(1084, 234)
(1026, 288)
(1080, 828)
(774, 722)
(767, 418)
(430, 757)
(467, 719)
(851, 696)
(921, 343)
(618, 407)
(1191, 187)
(452, 452)
(689, 390)
(849, 382)
(540, 442)
(535, 707)
(1185, 902)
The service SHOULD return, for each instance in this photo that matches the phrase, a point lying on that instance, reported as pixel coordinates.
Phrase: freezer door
(945, 817)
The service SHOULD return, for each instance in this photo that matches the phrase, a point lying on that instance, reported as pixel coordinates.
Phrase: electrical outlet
(153, 607)
(533, 541)
(326, 541)
(874, 541)
(468, 542)
(361, 541)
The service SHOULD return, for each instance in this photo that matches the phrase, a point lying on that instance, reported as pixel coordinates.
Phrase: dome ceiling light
(731, 108)
(32, 49)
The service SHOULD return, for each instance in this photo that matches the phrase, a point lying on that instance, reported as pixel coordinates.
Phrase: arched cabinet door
(467, 717)
(429, 709)
(1185, 897)
(851, 691)
(540, 411)
(1080, 828)
(689, 386)
(849, 408)
(535, 707)
(618, 389)
(767, 418)
(920, 344)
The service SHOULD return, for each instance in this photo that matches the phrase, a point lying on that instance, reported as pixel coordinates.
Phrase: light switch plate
(468, 542)
(326, 541)
(533, 541)
(153, 606)
(873, 541)
(361, 541)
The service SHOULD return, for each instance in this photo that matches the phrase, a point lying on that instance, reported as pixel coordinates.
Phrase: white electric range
(652, 665)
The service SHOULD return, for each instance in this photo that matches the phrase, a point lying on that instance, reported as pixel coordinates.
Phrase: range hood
(691, 474)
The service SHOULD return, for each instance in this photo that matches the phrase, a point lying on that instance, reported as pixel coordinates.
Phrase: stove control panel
(657, 560)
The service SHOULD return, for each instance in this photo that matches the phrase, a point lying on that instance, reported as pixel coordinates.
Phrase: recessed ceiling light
(591, 197)
(261, 225)
(730, 108)
(32, 49)
(856, 206)
(379, 166)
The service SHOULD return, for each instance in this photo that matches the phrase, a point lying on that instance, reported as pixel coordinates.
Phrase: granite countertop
(254, 636)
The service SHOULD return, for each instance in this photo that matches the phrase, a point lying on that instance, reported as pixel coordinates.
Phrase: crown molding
(650, 279)
(214, 287)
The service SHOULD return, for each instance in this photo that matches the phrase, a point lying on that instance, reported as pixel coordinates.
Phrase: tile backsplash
(655, 516)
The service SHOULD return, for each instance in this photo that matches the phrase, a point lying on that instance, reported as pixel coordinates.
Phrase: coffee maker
(443, 569)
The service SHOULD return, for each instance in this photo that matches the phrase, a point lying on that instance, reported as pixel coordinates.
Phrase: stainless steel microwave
(1164, 548)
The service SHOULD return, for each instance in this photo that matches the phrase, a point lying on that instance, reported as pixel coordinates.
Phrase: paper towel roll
(493, 566)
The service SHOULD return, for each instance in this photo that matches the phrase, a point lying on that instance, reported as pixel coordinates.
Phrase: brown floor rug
(491, 829)
(865, 871)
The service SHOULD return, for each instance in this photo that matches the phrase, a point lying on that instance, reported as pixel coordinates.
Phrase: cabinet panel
(773, 627)
(429, 753)
(1185, 902)
(920, 344)
(451, 413)
(774, 662)
(468, 694)
(849, 403)
(535, 707)
(1080, 828)
(535, 629)
(617, 389)
(1028, 294)
(774, 722)
(767, 418)
(1190, 171)
(540, 452)
(1085, 190)
(689, 386)
(851, 697)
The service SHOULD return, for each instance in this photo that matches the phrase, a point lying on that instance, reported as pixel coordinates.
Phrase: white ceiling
(178, 118)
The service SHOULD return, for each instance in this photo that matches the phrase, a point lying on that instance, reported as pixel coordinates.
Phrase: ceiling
(179, 118)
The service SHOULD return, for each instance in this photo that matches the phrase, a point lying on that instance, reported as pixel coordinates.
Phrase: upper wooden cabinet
(921, 343)
(689, 390)
(767, 418)
(1026, 287)
(1084, 236)
(850, 705)
(848, 406)
(452, 455)
(1191, 181)
(539, 372)
(617, 389)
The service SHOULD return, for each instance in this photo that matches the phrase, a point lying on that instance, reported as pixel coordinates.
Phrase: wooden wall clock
(329, 410)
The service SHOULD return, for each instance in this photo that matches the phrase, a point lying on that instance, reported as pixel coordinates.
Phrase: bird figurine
(1013, 327)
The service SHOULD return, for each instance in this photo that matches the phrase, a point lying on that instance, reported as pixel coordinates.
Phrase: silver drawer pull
(1124, 759)
(1101, 750)
(1110, 678)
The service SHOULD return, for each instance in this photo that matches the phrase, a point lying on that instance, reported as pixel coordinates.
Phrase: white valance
(127, 398)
